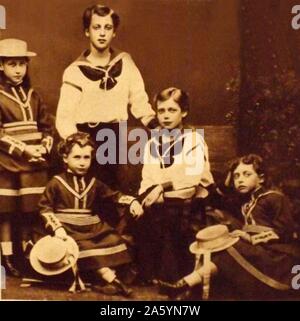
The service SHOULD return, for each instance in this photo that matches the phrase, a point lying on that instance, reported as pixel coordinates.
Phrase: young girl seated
(70, 206)
(25, 141)
(259, 265)
(175, 166)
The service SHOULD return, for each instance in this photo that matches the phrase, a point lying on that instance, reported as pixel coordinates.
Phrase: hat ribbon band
(77, 280)
(57, 265)
(215, 243)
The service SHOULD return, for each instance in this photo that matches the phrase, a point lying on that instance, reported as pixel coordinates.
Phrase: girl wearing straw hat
(25, 142)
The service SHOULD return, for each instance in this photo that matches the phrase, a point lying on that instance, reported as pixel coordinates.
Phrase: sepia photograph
(149, 151)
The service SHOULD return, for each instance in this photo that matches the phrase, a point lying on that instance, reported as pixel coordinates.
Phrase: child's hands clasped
(35, 153)
(136, 209)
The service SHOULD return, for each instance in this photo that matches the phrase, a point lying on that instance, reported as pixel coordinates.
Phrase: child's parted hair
(250, 159)
(79, 138)
(178, 95)
(101, 11)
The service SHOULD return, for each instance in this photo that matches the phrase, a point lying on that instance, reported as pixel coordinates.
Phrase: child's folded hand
(242, 234)
(35, 153)
(136, 209)
(153, 196)
(42, 149)
(32, 151)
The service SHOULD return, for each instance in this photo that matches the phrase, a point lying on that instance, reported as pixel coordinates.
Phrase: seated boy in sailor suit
(175, 166)
(70, 206)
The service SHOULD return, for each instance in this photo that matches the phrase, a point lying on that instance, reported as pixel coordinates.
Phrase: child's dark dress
(23, 120)
(75, 200)
(267, 217)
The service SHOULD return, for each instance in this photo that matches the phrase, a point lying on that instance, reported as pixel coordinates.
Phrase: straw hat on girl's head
(14, 48)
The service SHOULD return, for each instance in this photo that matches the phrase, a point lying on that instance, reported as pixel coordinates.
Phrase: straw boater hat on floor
(14, 48)
(53, 256)
(213, 239)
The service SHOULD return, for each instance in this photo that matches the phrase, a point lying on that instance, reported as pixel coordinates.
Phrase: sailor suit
(181, 166)
(261, 267)
(73, 202)
(24, 119)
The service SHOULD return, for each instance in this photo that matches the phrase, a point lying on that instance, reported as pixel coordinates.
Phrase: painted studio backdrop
(238, 59)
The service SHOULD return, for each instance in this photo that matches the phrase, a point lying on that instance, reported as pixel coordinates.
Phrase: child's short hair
(79, 138)
(101, 11)
(250, 159)
(178, 95)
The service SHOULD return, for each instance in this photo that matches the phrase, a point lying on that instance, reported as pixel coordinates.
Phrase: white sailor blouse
(76, 200)
(177, 165)
(91, 94)
(24, 119)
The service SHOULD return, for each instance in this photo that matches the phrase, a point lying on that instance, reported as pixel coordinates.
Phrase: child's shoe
(9, 267)
(123, 289)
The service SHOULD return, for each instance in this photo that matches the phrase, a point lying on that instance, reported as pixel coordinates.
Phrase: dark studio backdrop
(238, 59)
(194, 45)
(268, 119)
(190, 44)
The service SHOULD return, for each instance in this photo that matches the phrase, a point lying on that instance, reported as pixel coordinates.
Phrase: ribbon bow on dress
(106, 75)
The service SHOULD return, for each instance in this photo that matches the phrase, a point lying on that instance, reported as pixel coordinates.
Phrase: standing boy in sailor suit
(98, 87)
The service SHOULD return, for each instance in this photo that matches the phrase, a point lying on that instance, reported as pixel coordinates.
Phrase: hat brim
(38, 267)
(195, 249)
(26, 54)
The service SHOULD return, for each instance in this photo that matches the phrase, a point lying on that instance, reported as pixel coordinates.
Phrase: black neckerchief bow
(106, 75)
(166, 152)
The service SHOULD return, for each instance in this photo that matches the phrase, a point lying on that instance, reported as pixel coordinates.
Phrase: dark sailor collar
(106, 75)
(67, 179)
(261, 191)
